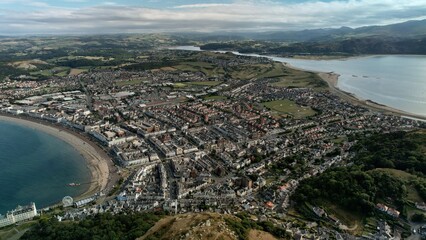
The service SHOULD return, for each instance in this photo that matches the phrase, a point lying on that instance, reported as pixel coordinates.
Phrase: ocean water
(398, 81)
(36, 167)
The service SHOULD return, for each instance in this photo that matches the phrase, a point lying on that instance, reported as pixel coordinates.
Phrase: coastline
(325, 57)
(332, 80)
(98, 162)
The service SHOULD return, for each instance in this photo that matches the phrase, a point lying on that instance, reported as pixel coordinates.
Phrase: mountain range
(410, 29)
(402, 38)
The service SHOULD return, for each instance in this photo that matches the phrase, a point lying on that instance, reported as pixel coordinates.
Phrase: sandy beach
(98, 161)
(333, 78)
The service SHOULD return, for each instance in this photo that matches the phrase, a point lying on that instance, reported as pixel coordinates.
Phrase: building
(392, 212)
(19, 214)
(84, 202)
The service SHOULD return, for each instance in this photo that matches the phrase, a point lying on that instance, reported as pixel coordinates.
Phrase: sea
(37, 167)
(397, 81)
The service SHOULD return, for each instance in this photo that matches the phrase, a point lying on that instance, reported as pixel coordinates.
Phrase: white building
(18, 215)
(109, 138)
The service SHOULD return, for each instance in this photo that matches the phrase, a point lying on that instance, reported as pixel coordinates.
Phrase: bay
(397, 81)
(37, 167)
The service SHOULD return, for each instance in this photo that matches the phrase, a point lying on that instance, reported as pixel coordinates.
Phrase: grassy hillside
(151, 226)
(388, 169)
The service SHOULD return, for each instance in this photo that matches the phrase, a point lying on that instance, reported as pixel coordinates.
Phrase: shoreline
(332, 79)
(344, 57)
(97, 160)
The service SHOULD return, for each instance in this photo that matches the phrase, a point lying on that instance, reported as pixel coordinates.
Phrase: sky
(20, 17)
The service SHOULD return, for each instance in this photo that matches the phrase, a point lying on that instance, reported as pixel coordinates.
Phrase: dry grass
(260, 235)
(205, 226)
(76, 71)
(29, 64)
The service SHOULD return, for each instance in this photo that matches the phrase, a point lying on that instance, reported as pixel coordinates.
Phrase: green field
(256, 71)
(56, 71)
(300, 79)
(186, 68)
(286, 76)
(205, 83)
(274, 71)
(62, 74)
(241, 72)
(290, 108)
(208, 69)
(179, 85)
(45, 73)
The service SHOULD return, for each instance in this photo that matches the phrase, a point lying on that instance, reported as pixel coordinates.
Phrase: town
(185, 139)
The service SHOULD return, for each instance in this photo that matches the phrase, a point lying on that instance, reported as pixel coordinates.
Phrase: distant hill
(366, 45)
(402, 38)
(410, 29)
(350, 46)
(403, 30)
(304, 35)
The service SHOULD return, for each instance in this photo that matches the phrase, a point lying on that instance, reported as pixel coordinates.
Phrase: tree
(418, 217)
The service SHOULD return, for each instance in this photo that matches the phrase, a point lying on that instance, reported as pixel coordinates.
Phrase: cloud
(205, 17)
(204, 5)
(110, 3)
